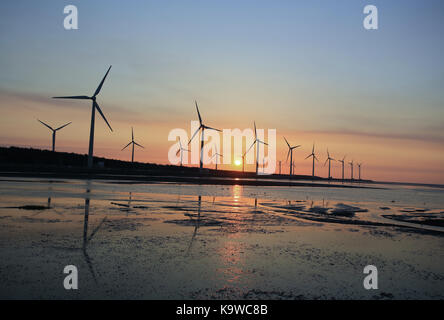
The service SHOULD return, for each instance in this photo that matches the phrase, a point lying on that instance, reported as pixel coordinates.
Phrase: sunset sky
(305, 68)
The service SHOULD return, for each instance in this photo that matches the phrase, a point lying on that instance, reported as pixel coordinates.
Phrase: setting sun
(237, 162)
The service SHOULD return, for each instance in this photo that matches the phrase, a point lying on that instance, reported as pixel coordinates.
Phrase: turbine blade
(209, 128)
(263, 142)
(63, 126)
(325, 162)
(103, 116)
(250, 147)
(126, 146)
(198, 113)
(194, 134)
(132, 134)
(138, 145)
(255, 133)
(101, 83)
(73, 97)
(287, 142)
(288, 154)
(45, 125)
(308, 156)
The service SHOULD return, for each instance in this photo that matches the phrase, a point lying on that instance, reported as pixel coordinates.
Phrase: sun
(237, 162)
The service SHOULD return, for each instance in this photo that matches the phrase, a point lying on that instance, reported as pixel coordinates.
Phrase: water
(172, 241)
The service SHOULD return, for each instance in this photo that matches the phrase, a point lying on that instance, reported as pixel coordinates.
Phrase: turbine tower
(93, 116)
(257, 142)
(342, 162)
(203, 127)
(290, 153)
(314, 157)
(53, 132)
(133, 143)
(181, 150)
(351, 166)
(329, 163)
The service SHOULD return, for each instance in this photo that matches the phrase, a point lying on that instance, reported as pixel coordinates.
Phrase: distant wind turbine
(359, 168)
(93, 116)
(53, 132)
(312, 154)
(181, 150)
(257, 142)
(203, 127)
(290, 153)
(329, 163)
(243, 161)
(133, 143)
(217, 155)
(351, 165)
(342, 162)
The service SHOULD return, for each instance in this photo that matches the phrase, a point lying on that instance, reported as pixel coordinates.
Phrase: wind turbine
(290, 153)
(181, 150)
(312, 154)
(359, 168)
(329, 163)
(53, 132)
(342, 162)
(203, 127)
(93, 116)
(243, 161)
(256, 140)
(217, 155)
(133, 143)
(351, 165)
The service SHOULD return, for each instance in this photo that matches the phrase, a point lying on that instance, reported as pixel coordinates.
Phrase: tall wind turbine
(133, 143)
(93, 116)
(342, 162)
(53, 132)
(312, 154)
(217, 155)
(359, 168)
(257, 142)
(181, 150)
(290, 153)
(203, 127)
(329, 163)
(351, 165)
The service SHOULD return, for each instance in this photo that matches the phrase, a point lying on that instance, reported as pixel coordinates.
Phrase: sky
(305, 68)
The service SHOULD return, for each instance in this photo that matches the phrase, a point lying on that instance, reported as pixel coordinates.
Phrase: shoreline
(203, 179)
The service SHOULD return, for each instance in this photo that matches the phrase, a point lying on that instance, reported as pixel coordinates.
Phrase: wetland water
(172, 241)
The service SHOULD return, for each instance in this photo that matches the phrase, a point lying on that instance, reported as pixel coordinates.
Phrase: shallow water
(171, 241)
